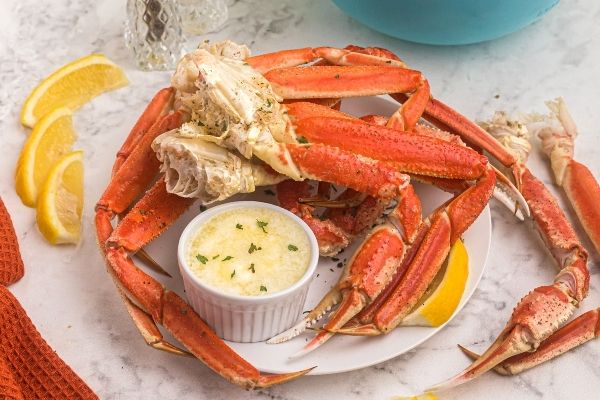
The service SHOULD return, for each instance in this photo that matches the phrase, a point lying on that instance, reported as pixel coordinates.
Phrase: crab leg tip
(507, 345)
(360, 330)
(471, 354)
(289, 333)
(506, 193)
(151, 263)
(315, 343)
(266, 381)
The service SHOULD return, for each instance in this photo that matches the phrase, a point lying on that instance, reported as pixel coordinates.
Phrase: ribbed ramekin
(245, 318)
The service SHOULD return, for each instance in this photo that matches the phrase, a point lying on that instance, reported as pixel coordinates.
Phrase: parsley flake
(302, 139)
(239, 226)
(252, 268)
(253, 248)
(232, 274)
(227, 258)
(201, 258)
(291, 247)
(215, 257)
(262, 225)
(263, 288)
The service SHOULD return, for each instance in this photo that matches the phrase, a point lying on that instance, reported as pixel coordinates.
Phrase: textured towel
(29, 368)
(11, 264)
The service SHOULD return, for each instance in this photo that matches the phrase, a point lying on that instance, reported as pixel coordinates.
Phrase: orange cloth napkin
(29, 368)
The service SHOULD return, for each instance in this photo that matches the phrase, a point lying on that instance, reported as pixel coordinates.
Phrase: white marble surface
(74, 304)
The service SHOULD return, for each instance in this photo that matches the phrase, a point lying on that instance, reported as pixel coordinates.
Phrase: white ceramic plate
(341, 353)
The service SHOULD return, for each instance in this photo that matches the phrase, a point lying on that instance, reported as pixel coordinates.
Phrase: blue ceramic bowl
(446, 22)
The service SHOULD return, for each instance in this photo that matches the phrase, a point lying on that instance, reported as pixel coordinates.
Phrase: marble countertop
(74, 303)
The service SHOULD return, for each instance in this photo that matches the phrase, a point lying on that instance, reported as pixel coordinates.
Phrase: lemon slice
(71, 86)
(51, 138)
(60, 204)
(443, 300)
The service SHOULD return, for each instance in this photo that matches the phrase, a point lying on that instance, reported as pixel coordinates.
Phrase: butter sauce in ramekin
(246, 268)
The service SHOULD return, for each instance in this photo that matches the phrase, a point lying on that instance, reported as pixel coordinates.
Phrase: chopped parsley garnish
(269, 102)
(201, 258)
(262, 225)
(291, 247)
(227, 258)
(253, 248)
(215, 257)
(302, 139)
(232, 274)
(252, 268)
(263, 288)
(239, 226)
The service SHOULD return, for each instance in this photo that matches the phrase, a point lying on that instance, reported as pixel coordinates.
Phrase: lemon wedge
(424, 396)
(51, 138)
(60, 203)
(71, 86)
(440, 304)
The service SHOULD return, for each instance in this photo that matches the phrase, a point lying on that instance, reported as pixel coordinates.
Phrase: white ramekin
(245, 318)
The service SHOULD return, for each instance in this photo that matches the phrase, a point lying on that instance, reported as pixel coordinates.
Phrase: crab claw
(537, 316)
(577, 332)
(507, 194)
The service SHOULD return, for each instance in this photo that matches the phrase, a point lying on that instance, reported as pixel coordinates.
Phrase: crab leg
(366, 275)
(336, 230)
(541, 312)
(576, 179)
(577, 332)
(377, 261)
(403, 152)
(125, 186)
(445, 226)
(148, 302)
(352, 81)
(160, 105)
(295, 57)
(148, 218)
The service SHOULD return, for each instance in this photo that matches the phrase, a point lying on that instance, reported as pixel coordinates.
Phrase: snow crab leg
(148, 302)
(544, 310)
(558, 133)
(379, 257)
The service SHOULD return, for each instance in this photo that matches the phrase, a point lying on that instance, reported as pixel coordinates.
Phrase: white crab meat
(557, 131)
(233, 105)
(203, 170)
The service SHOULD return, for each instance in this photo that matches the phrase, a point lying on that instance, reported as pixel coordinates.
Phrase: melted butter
(249, 251)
